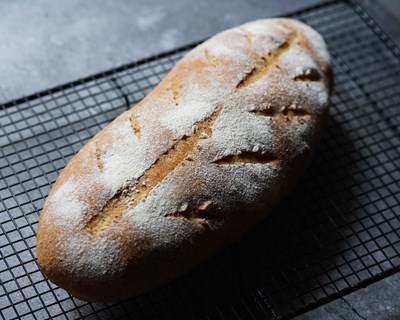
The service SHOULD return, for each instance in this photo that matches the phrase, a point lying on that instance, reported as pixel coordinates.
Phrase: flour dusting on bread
(198, 162)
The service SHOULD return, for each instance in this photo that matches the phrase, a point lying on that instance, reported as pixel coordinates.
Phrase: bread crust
(192, 167)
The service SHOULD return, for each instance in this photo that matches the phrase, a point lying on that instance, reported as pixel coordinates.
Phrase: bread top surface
(215, 137)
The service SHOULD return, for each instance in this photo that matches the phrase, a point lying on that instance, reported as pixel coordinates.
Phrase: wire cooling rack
(339, 230)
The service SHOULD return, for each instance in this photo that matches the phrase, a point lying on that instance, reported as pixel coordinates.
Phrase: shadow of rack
(338, 231)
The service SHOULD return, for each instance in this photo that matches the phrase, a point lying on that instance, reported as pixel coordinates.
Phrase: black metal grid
(338, 230)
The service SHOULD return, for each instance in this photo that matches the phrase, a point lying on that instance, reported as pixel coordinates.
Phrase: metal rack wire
(339, 230)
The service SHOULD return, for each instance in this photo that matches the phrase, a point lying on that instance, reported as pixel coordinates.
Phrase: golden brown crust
(197, 163)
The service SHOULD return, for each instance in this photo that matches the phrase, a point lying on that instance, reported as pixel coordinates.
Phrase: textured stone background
(45, 43)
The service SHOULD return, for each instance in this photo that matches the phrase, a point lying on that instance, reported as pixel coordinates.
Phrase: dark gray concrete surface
(45, 43)
(386, 14)
(379, 301)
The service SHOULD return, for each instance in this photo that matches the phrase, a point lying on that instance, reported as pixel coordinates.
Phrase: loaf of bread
(192, 167)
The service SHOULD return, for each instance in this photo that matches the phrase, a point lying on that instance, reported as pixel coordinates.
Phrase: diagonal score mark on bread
(291, 112)
(175, 87)
(266, 62)
(132, 195)
(99, 162)
(135, 124)
(309, 74)
(203, 212)
(213, 60)
(247, 35)
(248, 157)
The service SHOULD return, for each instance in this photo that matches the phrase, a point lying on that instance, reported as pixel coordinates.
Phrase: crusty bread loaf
(192, 167)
